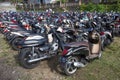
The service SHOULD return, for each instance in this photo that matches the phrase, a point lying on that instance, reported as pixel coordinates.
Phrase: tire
(103, 46)
(14, 43)
(7, 36)
(108, 41)
(24, 56)
(69, 68)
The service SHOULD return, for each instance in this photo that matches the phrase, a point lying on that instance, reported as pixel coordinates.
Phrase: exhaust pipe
(78, 64)
(38, 59)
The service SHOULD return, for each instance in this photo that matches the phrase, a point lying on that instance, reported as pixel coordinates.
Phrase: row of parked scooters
(78, 37)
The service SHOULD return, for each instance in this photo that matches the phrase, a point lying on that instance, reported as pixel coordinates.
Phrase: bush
(113, 7)
(93, 7)
(82, 7)
(90, 7)
(100, 7)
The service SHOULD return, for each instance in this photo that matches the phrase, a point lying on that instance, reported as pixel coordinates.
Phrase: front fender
(108, 33)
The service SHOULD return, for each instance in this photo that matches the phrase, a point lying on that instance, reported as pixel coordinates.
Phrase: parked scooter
(78, 54)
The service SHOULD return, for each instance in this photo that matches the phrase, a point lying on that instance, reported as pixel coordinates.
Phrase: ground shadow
(54, 64)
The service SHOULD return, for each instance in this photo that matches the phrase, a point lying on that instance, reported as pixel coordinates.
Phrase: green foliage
(63, 1)
(90, 7)
(16, 1)
(82, 7)
(100, 7)
(114, 7)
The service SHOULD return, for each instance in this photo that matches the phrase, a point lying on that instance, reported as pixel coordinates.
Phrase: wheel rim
(69, 65)
(28, 57)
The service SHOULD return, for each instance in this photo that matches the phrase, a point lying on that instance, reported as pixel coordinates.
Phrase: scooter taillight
(65, 51)
(102, 33)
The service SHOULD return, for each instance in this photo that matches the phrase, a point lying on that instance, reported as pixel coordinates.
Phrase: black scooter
(37, 48)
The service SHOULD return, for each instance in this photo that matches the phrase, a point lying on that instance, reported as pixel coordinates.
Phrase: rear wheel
(7, 35)
(14, 43)
(69, 67)
(26, 55)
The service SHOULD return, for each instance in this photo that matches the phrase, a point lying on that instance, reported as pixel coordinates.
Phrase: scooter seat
(77, 44)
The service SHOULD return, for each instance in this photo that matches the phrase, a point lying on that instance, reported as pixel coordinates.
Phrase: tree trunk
(80, 2)
(60, 3)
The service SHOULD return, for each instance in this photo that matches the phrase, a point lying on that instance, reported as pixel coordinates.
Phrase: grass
(105, 68)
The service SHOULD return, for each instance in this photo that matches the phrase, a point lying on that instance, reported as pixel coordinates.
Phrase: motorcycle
(37, 48)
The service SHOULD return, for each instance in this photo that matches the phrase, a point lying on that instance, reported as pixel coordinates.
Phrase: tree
(16, 1)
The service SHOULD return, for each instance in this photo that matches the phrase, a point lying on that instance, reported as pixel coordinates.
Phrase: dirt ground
(45, 71)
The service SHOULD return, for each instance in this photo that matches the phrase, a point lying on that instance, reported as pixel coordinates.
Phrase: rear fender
(30, 45)
(23, 43)
(14, 36)
(27, 45)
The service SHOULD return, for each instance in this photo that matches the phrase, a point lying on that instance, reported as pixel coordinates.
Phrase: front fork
(33, 55)
(33, 50)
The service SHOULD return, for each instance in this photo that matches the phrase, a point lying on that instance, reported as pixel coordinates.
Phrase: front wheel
(103, 46)
(108, 41)
(26, 55)
(69, 67)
